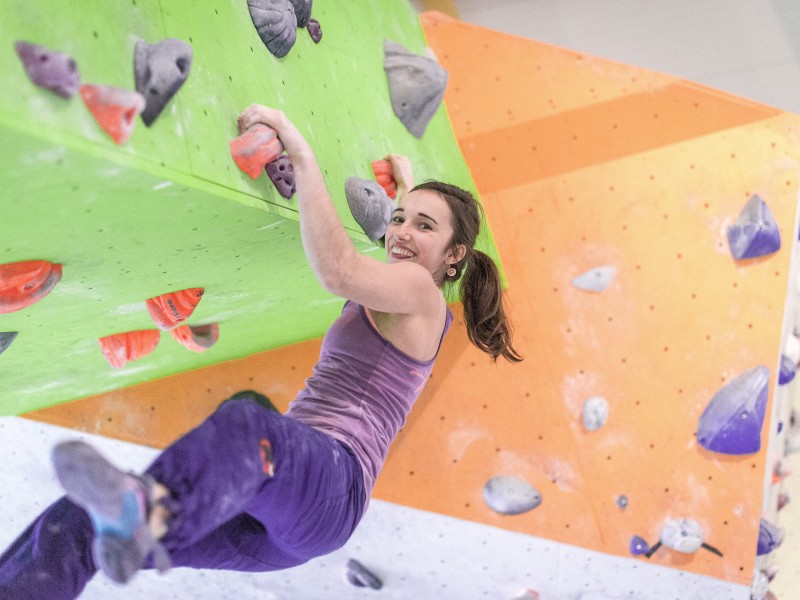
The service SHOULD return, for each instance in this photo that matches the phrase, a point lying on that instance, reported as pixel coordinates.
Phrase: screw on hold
(25, 283)
(255, 148)
(416, 86)
(360, 576)
(6, 338)
(119, 348)
(49, 69)
(384, 175)
(169, 310)
(197, 338)
(160, 70)
(114, 109)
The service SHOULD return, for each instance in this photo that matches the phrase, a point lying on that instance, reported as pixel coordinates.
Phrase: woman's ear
(456, 253)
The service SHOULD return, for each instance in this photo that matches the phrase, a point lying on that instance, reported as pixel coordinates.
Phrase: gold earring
(451, 272)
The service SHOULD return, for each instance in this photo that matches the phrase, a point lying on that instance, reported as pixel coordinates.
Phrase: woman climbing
(251, 489)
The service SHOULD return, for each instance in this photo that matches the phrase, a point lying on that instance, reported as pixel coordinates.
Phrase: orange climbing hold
(169, 310)
(384, 175)
(254, 148)
(197, 338)
(27, 282)
(114, 109)
(122, 347)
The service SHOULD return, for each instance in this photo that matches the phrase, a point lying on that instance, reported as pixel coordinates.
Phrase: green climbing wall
(169, 209)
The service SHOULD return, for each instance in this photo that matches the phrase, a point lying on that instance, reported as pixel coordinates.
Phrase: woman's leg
(52, 558)
(281, 490)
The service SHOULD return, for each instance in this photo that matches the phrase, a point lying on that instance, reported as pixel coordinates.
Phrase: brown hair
(481, 294)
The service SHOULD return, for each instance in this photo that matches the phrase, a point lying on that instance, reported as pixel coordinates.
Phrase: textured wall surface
(580, 162)
(169, 209)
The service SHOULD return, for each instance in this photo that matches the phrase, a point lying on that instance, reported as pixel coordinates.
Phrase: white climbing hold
(596, 280)
(510, 495)
(682, 535)
(595, 413)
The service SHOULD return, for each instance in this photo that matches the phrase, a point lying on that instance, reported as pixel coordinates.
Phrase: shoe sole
(89, 479)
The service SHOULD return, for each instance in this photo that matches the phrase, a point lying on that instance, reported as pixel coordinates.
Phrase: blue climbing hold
(769, 537)
(788, 370)
(755, 232)
(731, 423)
(638, 546)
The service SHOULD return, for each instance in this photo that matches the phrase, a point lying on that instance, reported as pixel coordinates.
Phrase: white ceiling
(750, 48)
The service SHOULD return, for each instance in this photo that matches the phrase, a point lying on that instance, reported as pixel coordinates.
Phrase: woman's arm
(405, 288)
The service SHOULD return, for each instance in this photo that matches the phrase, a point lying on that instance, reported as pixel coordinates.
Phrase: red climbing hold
(24, 283)
(384, 175)
(122, 347)
(254, 148)
(169, 310)
(198, 338)
(115, 109)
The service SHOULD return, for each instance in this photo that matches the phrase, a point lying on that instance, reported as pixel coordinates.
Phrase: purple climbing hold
(370, 206)
(6, 338)
(769, 537)
(314, 30)
(731, 423)
(755, 232)
(638, 546)
(281, 173)
(416, 86)
(788, 370)
(276, 24)
(360, 576)
(49, 69)
(160, 70)
(302, 11)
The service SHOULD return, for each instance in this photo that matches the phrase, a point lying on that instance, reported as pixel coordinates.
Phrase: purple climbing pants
(232, 514)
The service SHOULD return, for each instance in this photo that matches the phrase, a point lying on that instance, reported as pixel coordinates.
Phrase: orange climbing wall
(580, 162)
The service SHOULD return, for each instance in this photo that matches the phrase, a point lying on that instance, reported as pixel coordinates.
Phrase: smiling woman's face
(421, 231)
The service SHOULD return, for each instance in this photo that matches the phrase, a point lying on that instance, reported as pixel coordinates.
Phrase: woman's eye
(397, 219)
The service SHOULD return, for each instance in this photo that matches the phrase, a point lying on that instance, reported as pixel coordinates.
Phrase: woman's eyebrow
(428, 217)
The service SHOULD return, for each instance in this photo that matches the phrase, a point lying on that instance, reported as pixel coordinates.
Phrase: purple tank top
(362, 389)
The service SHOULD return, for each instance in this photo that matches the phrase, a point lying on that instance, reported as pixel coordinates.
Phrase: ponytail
(485, 316)
(481, 289)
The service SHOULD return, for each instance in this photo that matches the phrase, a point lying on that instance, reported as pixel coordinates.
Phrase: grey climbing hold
(595, 413)
(281, 172)
(416, 86)
(370, 205)
(302, 11)
(6, 338)
(682, 535)
(510, 495)
(160, 70)
(731, 423)
(622, 501)
(755, 232)
(49, 69)
(595, 280)
(276, 24)
(360, 576)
